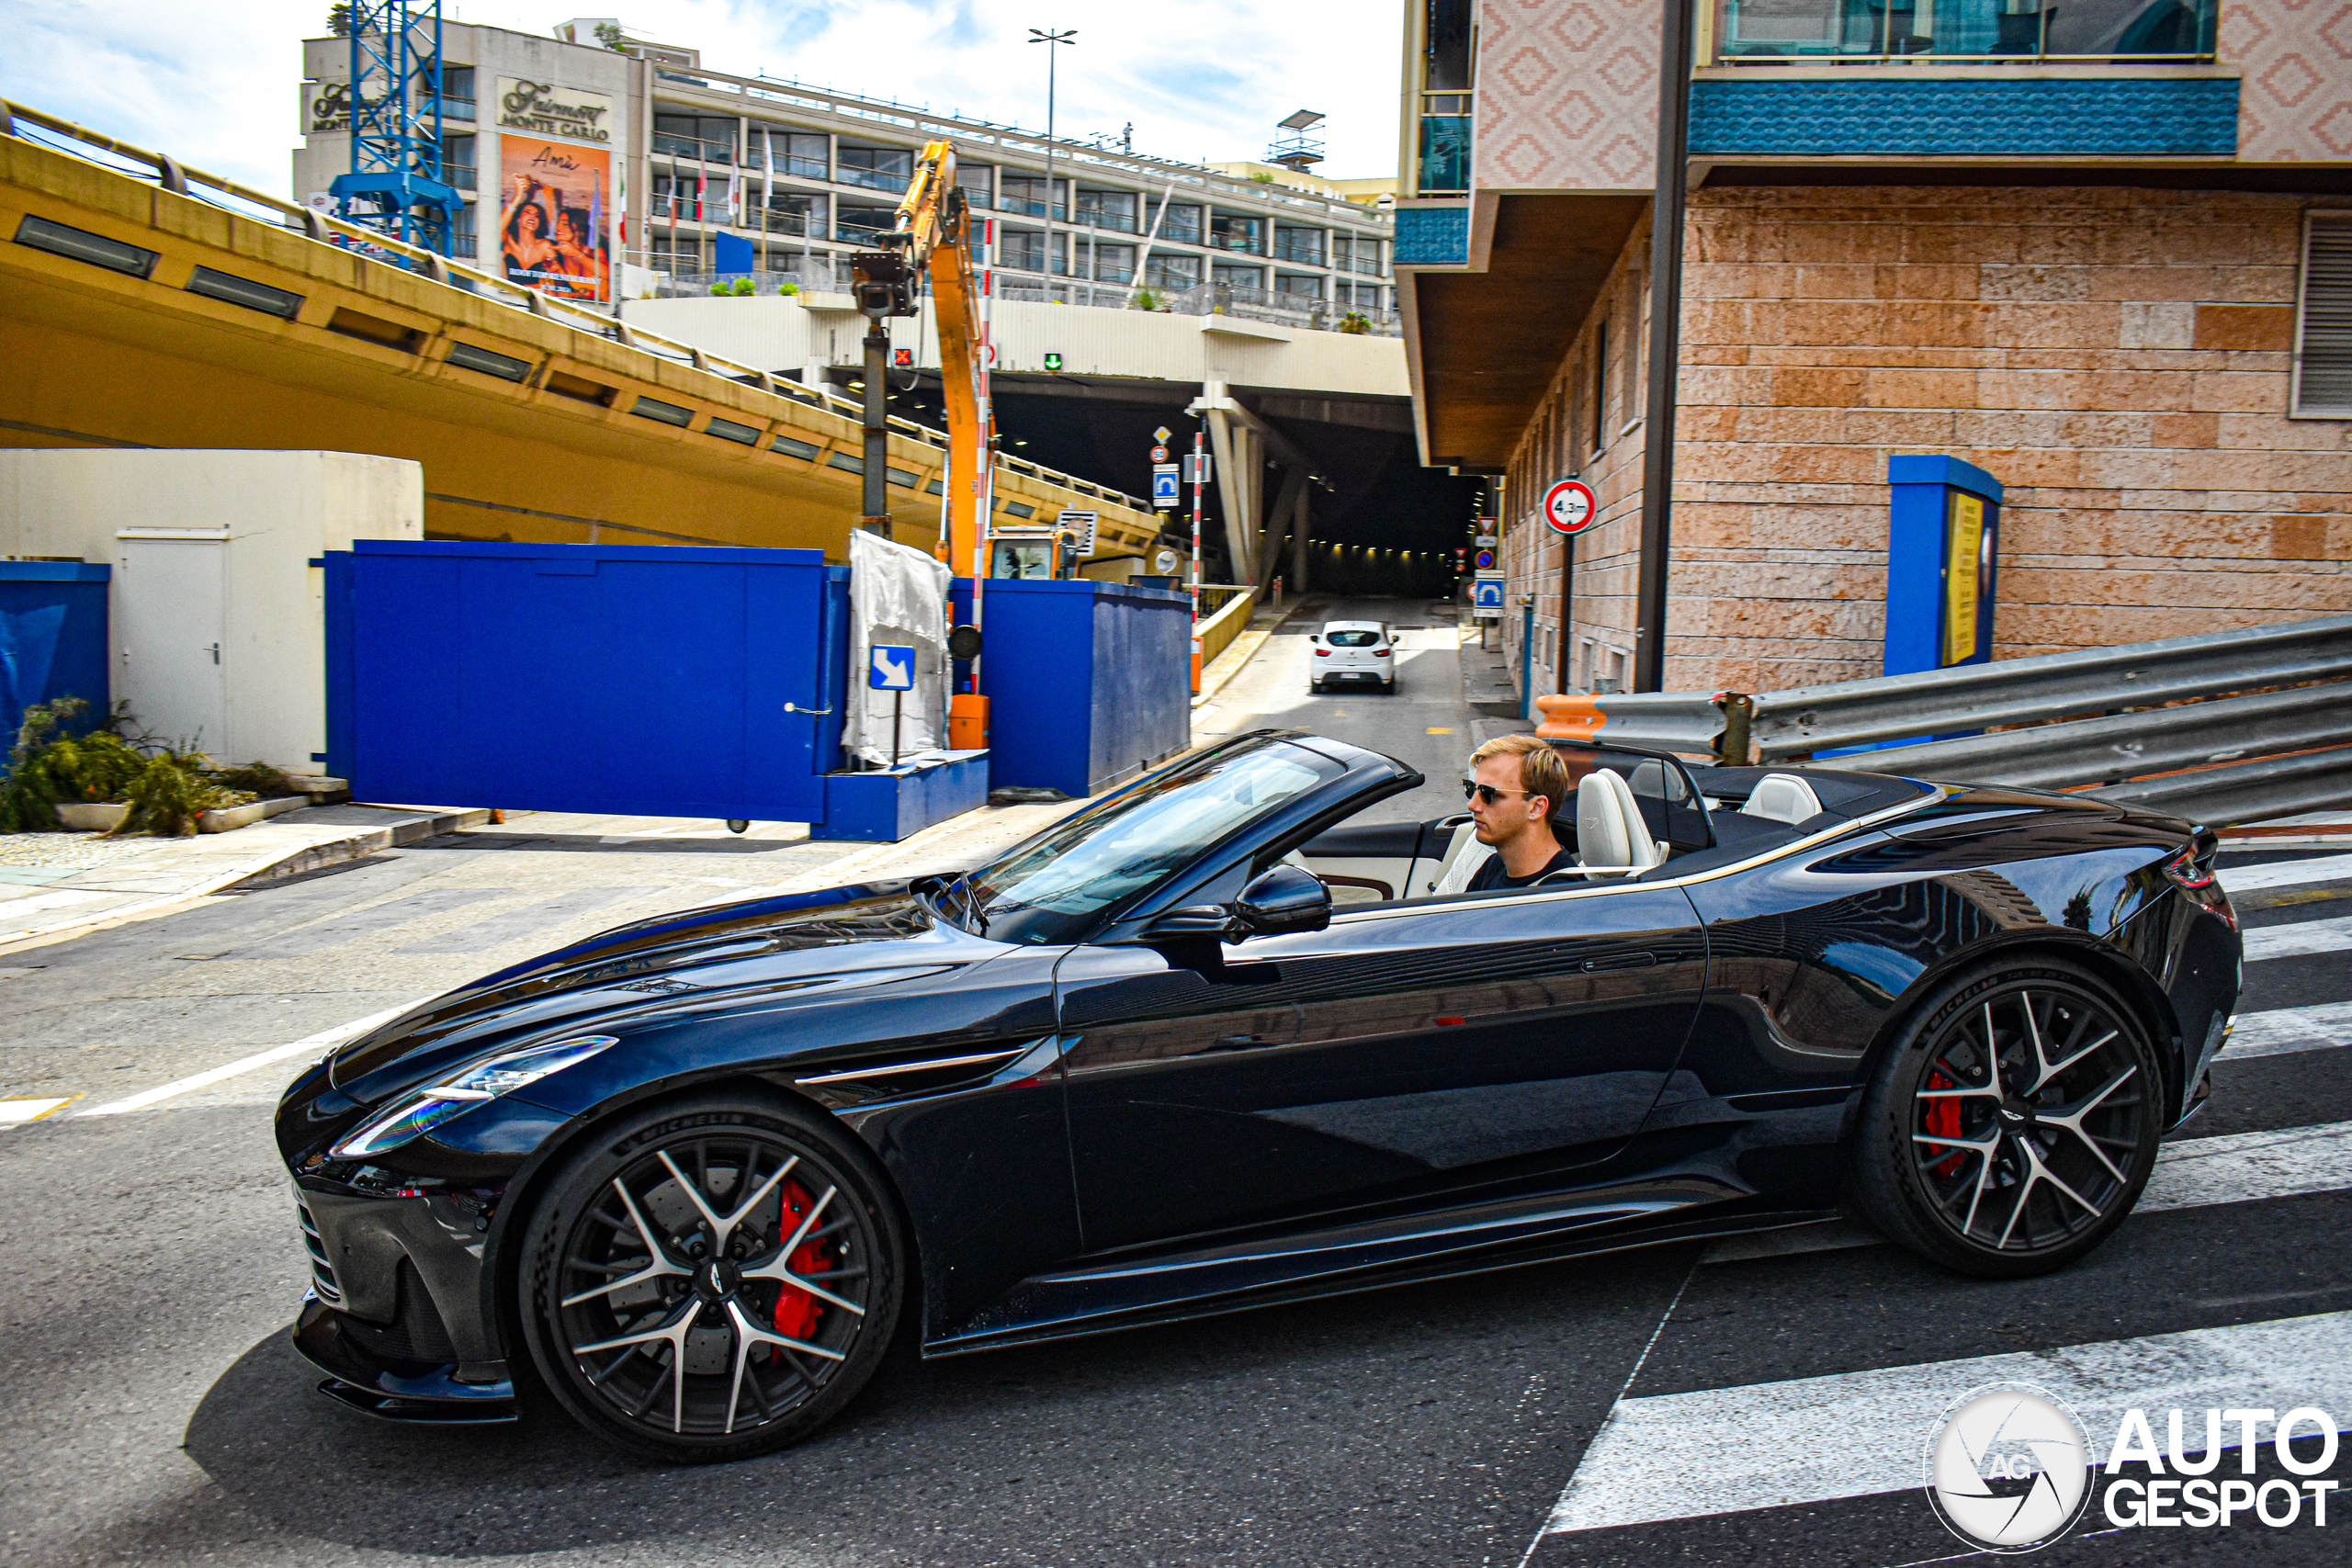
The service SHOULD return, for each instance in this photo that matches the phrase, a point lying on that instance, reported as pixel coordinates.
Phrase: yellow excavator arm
(934, 234)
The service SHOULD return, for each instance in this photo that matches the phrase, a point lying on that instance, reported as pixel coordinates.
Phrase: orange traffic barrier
(1567, 717)
(967, 722)
(1196, 666)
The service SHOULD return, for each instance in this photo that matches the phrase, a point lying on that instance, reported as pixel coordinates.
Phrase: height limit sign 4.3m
(1569, 506)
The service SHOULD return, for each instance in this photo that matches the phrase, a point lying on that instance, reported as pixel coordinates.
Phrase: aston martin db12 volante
(1214, 1042)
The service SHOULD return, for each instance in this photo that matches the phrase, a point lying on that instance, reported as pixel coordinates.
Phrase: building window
(458, 160)
(1239, 277)
(1304, 247)
(680, 198)
(2323, 319)
(710, 138)
(1448, 59)
(1181, 224)
(858, 225)
(2078, 31)
(1112, 264)
(465, 237)
(1227, 232)
(1023, 250)
(791, 214)
(1172, 273)
(978, 182)
(1107, 210)
(802, 154)
(1019, 193)
(1298, 289)
(875, 168)
(457, 92)
(1368, 257)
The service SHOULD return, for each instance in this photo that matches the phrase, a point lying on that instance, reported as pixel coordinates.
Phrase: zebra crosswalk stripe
(1858, 1434)
(2283, 1030)
(2285, 873)
(2307, 936)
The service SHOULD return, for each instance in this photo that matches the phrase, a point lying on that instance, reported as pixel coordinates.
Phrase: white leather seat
(1782, 798)
(1463, 856)
(1610, 835)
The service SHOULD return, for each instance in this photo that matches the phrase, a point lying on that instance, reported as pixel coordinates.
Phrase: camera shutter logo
(2008, 1466)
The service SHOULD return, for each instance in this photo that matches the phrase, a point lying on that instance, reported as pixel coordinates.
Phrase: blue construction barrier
(640, 680)
(1089, 684)
(52, 640)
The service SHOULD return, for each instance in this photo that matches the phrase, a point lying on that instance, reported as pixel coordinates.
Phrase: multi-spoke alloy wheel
(711, 1283)
(2014, 1124)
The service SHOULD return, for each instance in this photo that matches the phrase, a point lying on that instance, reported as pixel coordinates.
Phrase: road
(155, 1413)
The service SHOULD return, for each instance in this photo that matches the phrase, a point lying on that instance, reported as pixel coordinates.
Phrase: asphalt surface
(155, 1412)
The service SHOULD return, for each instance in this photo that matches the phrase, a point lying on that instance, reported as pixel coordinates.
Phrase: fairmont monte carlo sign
(542, 110)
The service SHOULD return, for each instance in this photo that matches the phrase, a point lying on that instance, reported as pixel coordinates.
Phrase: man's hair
(1541, 770)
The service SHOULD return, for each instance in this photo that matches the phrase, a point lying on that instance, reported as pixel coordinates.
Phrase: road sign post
(1197, 471)
(891, 667)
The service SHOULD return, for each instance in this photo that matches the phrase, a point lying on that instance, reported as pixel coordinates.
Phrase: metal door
(170, 630)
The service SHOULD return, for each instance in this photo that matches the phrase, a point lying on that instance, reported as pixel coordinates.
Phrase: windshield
(1057, 886)
(1352, 639)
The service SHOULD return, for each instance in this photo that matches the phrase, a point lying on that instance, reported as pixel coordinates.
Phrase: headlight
(420, 1110)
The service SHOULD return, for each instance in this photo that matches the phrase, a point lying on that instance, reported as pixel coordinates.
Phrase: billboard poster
(553, 230)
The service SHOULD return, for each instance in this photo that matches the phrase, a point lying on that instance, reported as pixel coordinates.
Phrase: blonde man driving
(1517, 782)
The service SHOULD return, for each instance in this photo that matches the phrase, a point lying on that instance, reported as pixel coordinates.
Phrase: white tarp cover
(897, 596)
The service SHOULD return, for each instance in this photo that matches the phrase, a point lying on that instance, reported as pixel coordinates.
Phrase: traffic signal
(902, 358)
(1052, 362)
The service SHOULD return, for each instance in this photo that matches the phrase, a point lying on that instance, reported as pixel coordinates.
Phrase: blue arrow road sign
(1486, 596)
(892, 668)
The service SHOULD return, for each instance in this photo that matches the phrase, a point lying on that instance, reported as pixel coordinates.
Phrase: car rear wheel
(712, 1280)
(2012, 1124)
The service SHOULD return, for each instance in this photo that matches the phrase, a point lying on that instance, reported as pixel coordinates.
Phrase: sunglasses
(1486, 792)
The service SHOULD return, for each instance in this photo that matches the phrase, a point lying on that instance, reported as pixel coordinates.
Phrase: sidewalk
(54, 886)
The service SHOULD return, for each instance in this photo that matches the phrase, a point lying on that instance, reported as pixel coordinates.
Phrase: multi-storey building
(708, 170)
(2099, 249)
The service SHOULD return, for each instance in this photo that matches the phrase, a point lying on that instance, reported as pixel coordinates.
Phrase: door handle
(1238, 1042)
(1620, 961)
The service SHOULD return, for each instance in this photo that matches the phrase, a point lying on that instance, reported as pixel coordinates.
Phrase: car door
(1415, 1056)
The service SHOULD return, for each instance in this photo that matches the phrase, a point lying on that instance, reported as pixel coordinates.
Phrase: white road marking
(13, 1111)
(2286, 874)
(1860, 1434)
(2288, 942)
(2284, 1030)
(2235, 1167)
(318, 1042)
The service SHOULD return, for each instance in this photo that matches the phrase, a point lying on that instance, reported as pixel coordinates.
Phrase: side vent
(565, 385)
(375, 330)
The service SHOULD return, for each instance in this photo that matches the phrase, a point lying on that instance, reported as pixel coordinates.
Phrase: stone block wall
(2118, 358)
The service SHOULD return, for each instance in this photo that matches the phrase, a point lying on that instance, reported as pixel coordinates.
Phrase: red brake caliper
(1942, 1122)
(797, 1312)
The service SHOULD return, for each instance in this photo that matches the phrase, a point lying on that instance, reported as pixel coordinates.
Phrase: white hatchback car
(1353, 653)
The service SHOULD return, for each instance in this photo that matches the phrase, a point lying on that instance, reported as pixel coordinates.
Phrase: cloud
(1198, 79)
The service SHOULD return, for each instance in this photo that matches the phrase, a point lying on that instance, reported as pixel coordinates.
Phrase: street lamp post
(1050, 40)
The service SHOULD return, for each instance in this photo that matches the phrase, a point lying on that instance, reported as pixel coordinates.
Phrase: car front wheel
(2012, 1124)
(712, 1280)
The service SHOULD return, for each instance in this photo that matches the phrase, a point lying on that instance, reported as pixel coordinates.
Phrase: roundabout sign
(1569, 506)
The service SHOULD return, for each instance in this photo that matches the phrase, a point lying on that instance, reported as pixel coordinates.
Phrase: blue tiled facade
(2177, 116)
(1433, 236)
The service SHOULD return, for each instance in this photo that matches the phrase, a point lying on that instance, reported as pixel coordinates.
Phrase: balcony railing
(457, 109)
(1307, 253)
(1865, 32)
(893, 180)
(460, 176)
(678, 146)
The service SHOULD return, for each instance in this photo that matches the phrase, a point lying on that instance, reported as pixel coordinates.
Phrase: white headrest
(1783, 798)
(1610, 833)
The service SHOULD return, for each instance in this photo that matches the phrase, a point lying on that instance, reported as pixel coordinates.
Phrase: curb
(354, 845)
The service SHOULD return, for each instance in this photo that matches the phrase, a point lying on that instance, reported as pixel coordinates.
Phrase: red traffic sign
(1570, 507)
(1160, 454)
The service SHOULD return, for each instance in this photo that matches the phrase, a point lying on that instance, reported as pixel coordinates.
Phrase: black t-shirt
(1490, 876)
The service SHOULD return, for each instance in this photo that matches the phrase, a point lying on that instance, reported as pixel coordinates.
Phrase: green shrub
(47, 768)
(787, 289)
(171, 792)
(257, 779)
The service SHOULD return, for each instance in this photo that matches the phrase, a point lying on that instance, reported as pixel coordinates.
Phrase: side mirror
(1314, 636)
(1282, 900)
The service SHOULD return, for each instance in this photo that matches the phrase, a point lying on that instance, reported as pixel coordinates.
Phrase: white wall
(272, 514)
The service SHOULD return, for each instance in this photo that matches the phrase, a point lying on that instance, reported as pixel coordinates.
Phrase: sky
(214, 82)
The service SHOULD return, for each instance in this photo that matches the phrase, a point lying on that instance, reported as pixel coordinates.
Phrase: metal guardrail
(2230, 726)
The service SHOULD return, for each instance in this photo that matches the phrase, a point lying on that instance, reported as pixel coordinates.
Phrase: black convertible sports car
(1206, 1045)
